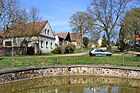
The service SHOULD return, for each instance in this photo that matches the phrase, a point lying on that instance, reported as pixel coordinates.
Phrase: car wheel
(90, 54)
(108, 55)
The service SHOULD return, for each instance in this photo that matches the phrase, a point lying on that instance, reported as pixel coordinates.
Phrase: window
(45, 31)
(51, 45)
(41, 44)
(8, 43)
(56, 45)
(48, 31)
(46, 44)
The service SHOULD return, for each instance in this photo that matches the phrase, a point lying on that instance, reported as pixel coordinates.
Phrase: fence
(11, 62)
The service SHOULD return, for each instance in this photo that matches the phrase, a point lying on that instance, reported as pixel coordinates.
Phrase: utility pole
(12, 48)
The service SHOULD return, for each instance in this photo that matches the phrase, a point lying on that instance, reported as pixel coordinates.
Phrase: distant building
(76, 39)
(62, 38)
(132, 40)
(99, 42)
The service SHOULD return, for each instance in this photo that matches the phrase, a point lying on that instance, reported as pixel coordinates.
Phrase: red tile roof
(26, 29)
(74, 36)
(1, 33)
(62, 35)
(137, 37)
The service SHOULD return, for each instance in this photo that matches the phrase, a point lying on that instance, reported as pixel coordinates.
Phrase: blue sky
(57, 12)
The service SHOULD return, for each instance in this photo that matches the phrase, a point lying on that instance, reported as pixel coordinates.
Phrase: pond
(73, 84)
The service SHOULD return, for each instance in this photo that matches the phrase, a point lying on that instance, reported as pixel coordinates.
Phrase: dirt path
(77, 54)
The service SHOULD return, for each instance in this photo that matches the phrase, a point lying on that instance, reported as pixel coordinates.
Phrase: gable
(47, 31)
(62, 35)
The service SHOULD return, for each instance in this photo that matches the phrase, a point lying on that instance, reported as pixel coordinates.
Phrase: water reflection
(73, 84)
(98, 89)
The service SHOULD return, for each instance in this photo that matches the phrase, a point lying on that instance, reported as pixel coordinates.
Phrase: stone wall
(15, 74)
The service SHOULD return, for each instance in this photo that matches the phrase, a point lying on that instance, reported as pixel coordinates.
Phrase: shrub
(64, 49)
(69, 49)
(57, 50)
(73, 46)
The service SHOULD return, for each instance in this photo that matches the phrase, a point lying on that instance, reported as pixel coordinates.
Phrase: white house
(100, 41)
(40, 37)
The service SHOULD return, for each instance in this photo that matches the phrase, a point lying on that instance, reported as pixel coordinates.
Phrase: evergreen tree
(104, 41)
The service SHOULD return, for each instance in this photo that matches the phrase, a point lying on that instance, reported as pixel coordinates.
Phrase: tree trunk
(82, 41)
(108, 42)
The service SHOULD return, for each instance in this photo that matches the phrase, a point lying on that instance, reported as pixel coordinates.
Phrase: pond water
(73, 84)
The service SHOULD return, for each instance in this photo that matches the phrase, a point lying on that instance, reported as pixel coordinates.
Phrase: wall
(7, 51)
(47, 37)
(47, 71)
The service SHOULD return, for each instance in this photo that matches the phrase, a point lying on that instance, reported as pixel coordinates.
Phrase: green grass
(24, 61)
(137, 49)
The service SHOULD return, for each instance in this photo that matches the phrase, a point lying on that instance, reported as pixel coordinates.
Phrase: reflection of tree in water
(73, 84)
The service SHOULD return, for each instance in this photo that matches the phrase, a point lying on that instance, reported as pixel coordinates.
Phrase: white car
(99, 52)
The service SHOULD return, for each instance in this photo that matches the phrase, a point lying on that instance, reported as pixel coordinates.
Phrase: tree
(112, 43)
(81, 22)
(9, 13)
(107, 14)
(85, 41)
(131, 23)
(27, 27)
(104, 43)
(124, 36)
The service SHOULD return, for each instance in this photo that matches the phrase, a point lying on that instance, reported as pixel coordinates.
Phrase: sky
(57, 12)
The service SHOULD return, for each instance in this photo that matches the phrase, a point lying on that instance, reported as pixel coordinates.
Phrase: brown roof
(62, 35)
(137, 37)
(26, 29)
(1, 33)
(74, 36)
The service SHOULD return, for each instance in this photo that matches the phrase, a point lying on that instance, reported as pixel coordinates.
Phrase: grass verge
(24, 61)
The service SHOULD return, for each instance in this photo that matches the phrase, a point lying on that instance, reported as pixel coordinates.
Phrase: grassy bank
(24, 61)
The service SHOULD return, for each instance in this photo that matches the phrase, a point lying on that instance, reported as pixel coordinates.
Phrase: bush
(69, 49)
(57, 50)
(64, 49)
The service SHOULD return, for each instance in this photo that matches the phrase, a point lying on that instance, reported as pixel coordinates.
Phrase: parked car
(99, 52)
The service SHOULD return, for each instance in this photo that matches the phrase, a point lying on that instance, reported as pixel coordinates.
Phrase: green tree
(104, 42)
(85, 41)
(131, 23)
(82, 23)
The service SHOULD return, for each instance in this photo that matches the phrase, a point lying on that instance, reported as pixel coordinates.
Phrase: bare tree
(8, 13)
(35, 15)
(107, 14)
(27, 27)
(9, 9)
(82, 23)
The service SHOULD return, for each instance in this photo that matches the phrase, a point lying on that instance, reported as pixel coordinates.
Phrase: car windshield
(99, 50)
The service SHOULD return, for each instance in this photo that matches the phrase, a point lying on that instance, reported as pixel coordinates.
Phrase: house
(137, 38)
(99, 42)
(76, 39)
(38, 35)
(62, 38)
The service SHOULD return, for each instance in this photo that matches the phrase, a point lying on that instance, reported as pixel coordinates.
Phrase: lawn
(24, 61)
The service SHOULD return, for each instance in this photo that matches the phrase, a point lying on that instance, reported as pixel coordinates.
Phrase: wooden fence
(76, 60)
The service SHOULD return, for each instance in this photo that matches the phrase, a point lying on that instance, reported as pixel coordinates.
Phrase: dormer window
(45, 31)
(48, 31)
